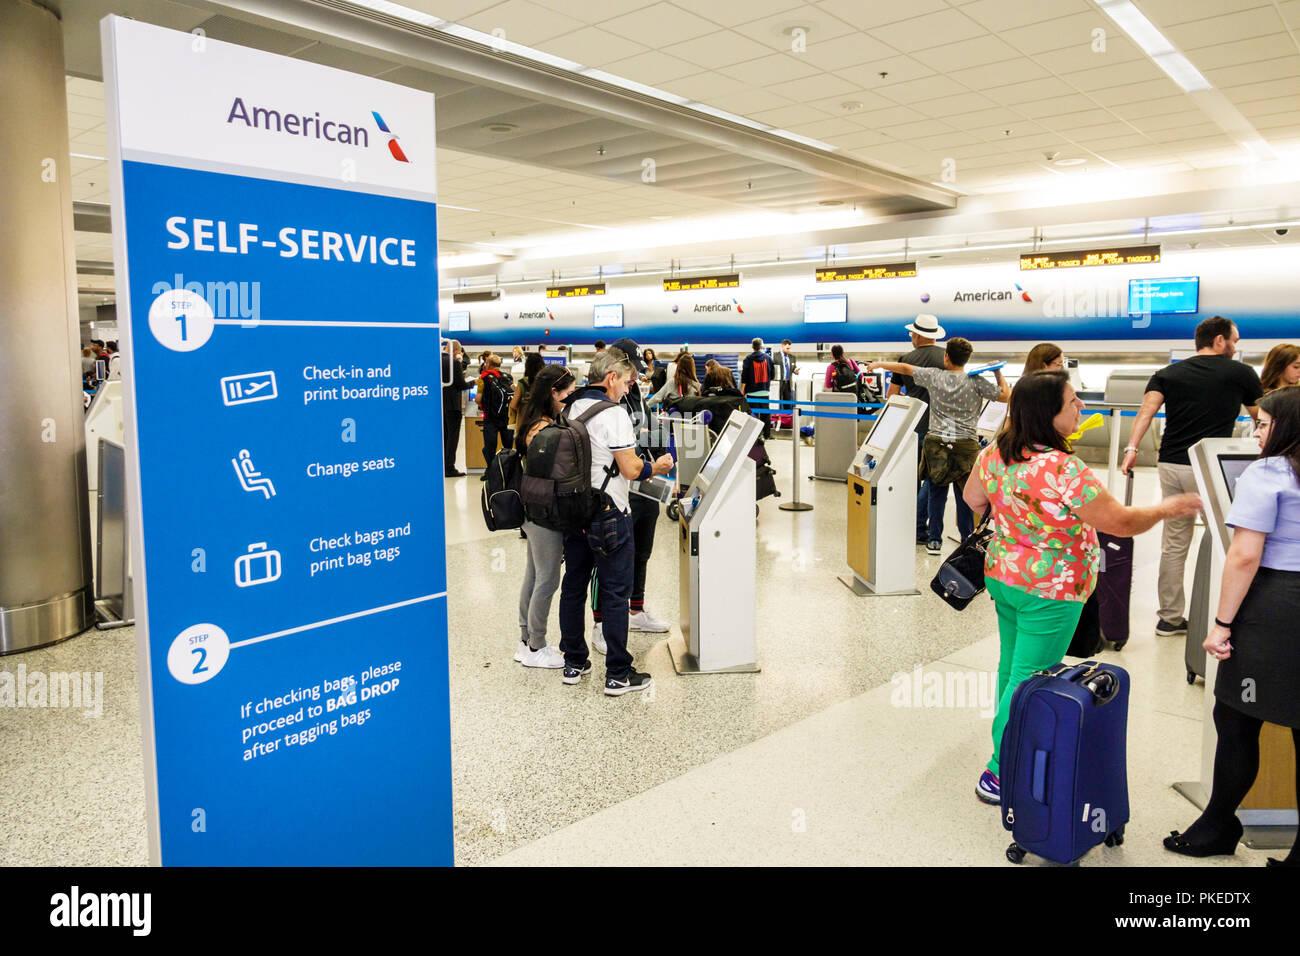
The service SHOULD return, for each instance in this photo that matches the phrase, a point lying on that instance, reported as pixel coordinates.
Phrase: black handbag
(961, 576)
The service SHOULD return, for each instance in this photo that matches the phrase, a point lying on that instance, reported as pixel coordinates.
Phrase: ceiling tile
(929, 88)
(1057, 106)
(592, 47)
(1263, 91)
(705, 87)
(1119, 74)
(820, 27)
(868, 16)
(1167, 13)
(1177, 134)
(814, 88)
(732, 13)
(1172, 119)
(1263, 108)
(652, 68)
(834, 105)
(930, 30)
(1254, 50)
(1000, 15)
(1240, 25)
(845, 51)
(786, 116)
(1156, 107)
(659, 25)
(1016, 93)
(906, 132)
(1254, 72)
(1061, 33)
(977, 51)
(975, 119)
(523, 22)
(826, 129)
(993, 75)
(897, 69)
(747, 102)
(953, 105)
(713, 50)
(1078, 57)
(876, 119)
(1135, 92)
(770, 69)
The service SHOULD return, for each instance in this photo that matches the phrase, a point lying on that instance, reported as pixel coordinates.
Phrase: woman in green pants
(1043, 558)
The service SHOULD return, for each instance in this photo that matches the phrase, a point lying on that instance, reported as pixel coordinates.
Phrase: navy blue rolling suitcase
(1064, 762)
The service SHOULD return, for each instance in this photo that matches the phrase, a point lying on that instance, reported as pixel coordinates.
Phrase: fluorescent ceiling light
(1154, 44)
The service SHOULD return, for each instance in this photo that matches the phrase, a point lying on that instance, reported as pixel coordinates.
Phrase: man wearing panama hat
(925, 331)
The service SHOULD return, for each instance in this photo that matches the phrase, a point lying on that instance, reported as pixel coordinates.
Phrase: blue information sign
(284, 420)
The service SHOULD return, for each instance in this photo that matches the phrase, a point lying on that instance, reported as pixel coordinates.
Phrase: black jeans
(606, 546)
(451, 419)
(491, 431)
(645, 517)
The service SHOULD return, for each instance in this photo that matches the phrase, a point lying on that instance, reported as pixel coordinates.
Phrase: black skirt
(1262, 677)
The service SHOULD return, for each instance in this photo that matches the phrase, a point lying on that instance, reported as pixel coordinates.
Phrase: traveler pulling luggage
(1115, 583)
(1064, 762)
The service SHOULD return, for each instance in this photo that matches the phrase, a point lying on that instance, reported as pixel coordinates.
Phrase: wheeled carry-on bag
(1198, 615)
(1115, 582)
(1064, 762)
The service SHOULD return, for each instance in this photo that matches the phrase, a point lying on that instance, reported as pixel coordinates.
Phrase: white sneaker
(642, 621)
(598, 638)
(548, 656)
(521, 652)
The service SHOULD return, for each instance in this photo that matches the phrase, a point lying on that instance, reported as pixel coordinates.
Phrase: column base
(31, 626)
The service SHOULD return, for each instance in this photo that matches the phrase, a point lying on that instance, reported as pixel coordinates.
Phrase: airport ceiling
(881, 110)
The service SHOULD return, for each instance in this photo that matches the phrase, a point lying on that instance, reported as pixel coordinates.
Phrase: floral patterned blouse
(1039, 545)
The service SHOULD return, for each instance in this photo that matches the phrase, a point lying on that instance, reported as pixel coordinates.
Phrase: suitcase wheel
(1116, 838)
(674, 512)
(1191, 677)
(1016, 853)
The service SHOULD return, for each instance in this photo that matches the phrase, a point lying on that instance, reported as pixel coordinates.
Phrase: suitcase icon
(259, 566)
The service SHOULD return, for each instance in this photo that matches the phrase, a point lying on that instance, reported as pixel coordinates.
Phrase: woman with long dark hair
(1254, 637)
(682, 384)
(1281, 367)
(1047, 507)
(533, 363)
(840, 365)
(550, 388)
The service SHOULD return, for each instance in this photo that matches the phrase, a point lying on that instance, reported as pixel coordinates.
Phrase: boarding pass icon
(252, 387)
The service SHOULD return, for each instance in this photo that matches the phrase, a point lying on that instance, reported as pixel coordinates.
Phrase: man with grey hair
(606, 544)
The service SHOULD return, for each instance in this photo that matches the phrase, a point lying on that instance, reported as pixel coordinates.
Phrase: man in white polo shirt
(606, 544)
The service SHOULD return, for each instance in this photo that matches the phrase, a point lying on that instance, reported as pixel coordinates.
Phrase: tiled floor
(809, 761)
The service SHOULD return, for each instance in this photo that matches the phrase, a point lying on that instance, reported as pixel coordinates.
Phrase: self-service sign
(274, 223)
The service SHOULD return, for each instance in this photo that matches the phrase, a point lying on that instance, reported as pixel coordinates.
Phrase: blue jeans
(606, 546)
(939, 502)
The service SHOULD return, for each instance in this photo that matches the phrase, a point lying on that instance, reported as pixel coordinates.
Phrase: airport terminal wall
(990, 303)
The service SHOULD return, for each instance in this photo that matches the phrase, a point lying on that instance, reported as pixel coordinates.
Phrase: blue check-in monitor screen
(608, 316)
(457, 321)
(825, 308)
(1232, 466)
(1164, 296)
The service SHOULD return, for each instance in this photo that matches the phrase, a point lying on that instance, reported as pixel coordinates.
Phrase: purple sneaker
(989, 789)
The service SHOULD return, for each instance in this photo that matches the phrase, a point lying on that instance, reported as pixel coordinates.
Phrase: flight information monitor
(1232, 466)
(609, 316)
(825, 308)
(1179, 296)
(457, 321)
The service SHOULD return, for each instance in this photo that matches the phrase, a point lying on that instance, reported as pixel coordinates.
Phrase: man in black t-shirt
(925, 330)
(1202, 397)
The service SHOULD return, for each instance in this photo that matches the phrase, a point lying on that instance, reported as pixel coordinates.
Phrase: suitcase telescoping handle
(1102, 684)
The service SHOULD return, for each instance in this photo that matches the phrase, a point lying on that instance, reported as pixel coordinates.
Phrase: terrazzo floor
(808, 761)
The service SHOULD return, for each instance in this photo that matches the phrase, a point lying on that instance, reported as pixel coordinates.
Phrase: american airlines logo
(312, 126)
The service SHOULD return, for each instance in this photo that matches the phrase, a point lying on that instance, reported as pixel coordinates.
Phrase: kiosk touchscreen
(881, 524)
(717, 557)
(1218, 464)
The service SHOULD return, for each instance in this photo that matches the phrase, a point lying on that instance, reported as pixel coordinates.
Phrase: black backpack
(846, 379)
(497, 393)
(556, 486)
(503, 507)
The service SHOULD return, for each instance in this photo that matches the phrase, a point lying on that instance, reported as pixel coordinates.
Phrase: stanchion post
(1116, 421)
(796, 504)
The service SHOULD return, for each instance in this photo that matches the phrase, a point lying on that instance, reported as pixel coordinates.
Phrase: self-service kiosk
(717, 558)
(1217, 463)
(882, 503)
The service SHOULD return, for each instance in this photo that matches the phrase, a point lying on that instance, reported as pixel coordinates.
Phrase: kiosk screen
(887, 427)
(1232, 466)
(718, 454)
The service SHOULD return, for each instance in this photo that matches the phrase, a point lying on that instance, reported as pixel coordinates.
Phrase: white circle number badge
(181, 320)
(198, 653)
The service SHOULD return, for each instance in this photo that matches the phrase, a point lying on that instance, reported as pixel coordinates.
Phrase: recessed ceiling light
(500, 127)
(851, 105)
(789, 31)
(1077, 161)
